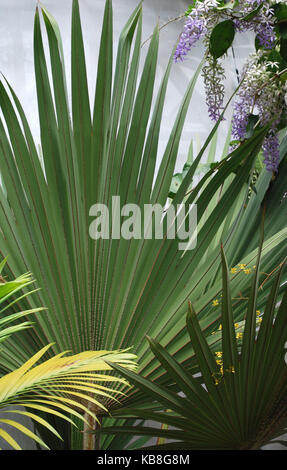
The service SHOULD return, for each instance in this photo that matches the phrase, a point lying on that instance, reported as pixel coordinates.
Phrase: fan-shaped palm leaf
(242, 404)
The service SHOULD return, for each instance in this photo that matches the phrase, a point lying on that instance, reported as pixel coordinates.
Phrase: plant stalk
(91, 441)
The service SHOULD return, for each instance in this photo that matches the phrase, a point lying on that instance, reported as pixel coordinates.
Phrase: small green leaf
(228, 6)
(283, 122)
(282, 29)
(175, 184)
(280, 11)
(177, 180)
(234, 142)
(259, 162)
(253, 13)
(252, 120)
(283, 48)
(221, 38)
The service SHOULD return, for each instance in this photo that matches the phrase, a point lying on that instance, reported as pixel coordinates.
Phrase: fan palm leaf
(242, 404)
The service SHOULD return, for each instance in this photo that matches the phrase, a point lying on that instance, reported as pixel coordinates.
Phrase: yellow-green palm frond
(63, 384)
(8, 299)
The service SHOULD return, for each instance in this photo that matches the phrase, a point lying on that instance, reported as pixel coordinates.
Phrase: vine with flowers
(261, 96)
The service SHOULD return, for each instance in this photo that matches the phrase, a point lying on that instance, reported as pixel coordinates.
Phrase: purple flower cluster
(271, 151)
(262, 27)
(240, 118)
(241, 26)
(261, 94)
(258, 93)
(215, 107)
(194, 28)
(271, 142)
(266, 36)
(213, 75)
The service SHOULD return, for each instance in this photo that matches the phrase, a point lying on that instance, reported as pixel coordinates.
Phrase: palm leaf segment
(243, 402)
(9, 299)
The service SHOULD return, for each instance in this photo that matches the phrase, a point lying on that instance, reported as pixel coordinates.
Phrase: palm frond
(58, 386)
(8, 299)
(239, 402)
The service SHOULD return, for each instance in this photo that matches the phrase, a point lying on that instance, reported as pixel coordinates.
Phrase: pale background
(16, 62)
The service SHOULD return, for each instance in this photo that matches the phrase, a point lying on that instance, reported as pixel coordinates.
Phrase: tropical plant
(69, 383)
(61, 386)
(239, 401)
(7, 290)
(109, 293)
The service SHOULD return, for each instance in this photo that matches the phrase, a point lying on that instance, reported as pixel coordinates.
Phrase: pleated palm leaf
(109, 293)
(242, 404)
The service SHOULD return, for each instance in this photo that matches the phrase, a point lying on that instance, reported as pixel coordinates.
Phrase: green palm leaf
(8, 299)
(243, 402)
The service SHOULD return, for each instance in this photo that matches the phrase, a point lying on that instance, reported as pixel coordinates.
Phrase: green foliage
(252, 121)
(9, 299)
(283, 48)
(280, 11)
(223, 33)
(108, 294)
(276, 57)
(221, 38)
(227, 5)
(253, 13)
(29, 390)
(242, 404)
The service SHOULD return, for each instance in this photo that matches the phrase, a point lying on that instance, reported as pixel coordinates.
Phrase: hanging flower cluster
(201, 18)
(261, 93)
(213, 75)
(260, 99)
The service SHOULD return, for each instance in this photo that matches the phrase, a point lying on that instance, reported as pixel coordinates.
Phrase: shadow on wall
(24, 441)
